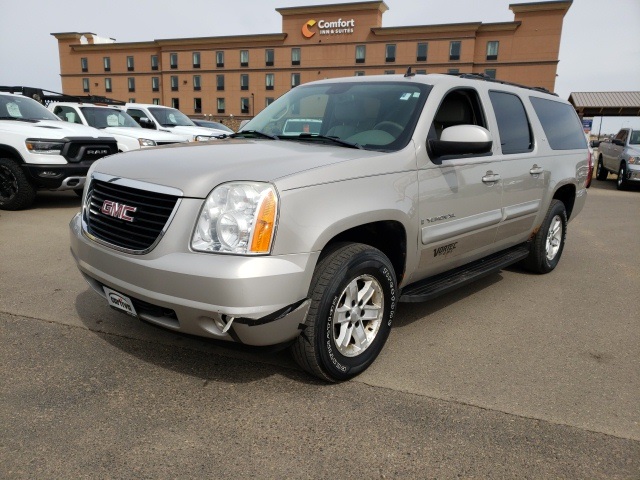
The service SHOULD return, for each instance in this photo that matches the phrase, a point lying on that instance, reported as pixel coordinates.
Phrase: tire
(601, 172)
(621, 182)
(548, 243)
(16, 192)
(331, 346)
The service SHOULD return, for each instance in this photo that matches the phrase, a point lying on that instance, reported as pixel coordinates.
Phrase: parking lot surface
(516, 375)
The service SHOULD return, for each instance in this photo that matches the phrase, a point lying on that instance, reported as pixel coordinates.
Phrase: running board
(433, 287)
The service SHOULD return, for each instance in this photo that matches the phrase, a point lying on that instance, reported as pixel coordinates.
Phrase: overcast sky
(600, 49)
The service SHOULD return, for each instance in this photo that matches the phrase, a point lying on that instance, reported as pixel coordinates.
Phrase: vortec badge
(117, 210)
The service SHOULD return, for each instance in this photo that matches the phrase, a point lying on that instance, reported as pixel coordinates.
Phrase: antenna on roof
(409, 73)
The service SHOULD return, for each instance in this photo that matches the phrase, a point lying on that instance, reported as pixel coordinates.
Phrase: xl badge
(117, 210)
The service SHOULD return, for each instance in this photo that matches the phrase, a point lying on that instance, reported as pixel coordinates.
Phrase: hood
(50, 129)
(196, 168)
(190, 130)
(633, 150)
(134, 132)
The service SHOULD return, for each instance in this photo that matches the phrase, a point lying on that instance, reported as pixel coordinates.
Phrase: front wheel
(548, 243)
(16, 192)
(621, 182)
(353, 300)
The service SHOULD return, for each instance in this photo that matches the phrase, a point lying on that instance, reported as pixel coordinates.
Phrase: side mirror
(594, 143)
(461, 140)
(147, 123)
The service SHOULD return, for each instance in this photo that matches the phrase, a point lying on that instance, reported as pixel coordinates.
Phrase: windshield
(108, 117)
(23, 108)
(170, 117)
(374, 115)
(634, 138)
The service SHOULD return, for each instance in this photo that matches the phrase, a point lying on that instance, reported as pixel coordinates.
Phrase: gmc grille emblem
(117, 210)
(102, 151)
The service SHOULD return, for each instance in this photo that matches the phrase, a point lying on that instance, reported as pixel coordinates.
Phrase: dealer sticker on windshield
(120, 302)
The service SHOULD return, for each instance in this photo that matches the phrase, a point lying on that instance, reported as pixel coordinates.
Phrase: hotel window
(156, 101)
(492, 50)
(219, 82)
(107, 84)
(389, 72)
(421, 54)
(490, 72)
(132, 100)
(220, 105)
(421, 72)
(175, 103)
(106, 61)
(197, 105)
(219, 59)
(84, 64)
(174, 83)
(361, 53)
(131, 82)
(269, 57)
(154, 62)
(155, 84)
(244, 105)
(197, 85)
(85, 84)
(244, 81)
(244, 58)
(360, 73)
(295, 56)
(173, 60)
(130, 66)
(295, 79)
(454, 50)
(268, 101)
(196, 59)
(390, 53)
(269, 81)
(453, 71)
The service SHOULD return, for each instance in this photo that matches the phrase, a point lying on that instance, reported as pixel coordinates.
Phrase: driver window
(459, 107)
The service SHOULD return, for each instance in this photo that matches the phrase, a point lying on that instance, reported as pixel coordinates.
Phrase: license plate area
(120, 302)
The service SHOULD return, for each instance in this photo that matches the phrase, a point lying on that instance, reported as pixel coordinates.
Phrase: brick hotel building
(239, 75)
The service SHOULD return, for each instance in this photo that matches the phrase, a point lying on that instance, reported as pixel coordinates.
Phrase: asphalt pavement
(518, 375)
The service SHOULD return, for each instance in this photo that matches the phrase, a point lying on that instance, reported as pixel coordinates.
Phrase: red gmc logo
(117, 210)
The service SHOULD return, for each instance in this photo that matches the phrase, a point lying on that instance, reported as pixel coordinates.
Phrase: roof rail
(487, 78)
(39, 95)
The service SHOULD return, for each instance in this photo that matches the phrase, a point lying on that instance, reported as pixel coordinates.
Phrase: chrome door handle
(491, 177)
(536, 170)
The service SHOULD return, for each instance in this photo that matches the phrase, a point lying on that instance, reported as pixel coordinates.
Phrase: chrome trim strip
(140, 185)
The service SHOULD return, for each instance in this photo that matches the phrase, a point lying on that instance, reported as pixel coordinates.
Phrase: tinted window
(560, 124)
(513, 123)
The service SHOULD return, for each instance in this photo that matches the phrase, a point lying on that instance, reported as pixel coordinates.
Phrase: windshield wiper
(241, 134)
(313, 136)
(20, 119)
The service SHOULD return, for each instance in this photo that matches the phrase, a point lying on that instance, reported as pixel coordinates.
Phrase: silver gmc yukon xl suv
(410, 187)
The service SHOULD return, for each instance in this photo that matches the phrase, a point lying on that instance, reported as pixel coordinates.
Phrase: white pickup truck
(622, 156)
(115, 122)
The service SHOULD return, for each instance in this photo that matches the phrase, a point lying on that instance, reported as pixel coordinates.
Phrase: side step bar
(433, 287)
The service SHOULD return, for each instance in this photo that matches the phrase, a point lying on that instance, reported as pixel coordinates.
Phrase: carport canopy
(606, 104)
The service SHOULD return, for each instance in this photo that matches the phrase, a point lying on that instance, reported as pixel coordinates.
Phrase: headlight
(145, 142)
(203, 138)
(634, 160)
(237, 218)
(48, 147)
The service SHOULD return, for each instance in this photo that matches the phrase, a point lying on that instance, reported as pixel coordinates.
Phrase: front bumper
(197, 293)
(58, 177)
(633, 173)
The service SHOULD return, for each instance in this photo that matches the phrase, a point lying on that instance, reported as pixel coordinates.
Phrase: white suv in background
(115, 122)
(159, 117)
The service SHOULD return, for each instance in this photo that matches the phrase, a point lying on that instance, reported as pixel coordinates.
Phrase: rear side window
(560, 124)
(513, 123)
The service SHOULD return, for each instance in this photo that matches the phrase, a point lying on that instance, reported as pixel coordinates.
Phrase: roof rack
(487, 78)
(39, 95)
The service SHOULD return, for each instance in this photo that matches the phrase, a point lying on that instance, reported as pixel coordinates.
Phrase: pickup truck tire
(601, 172)
(16, 192)
(621, 182)
(548, 242)
(353, 296)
